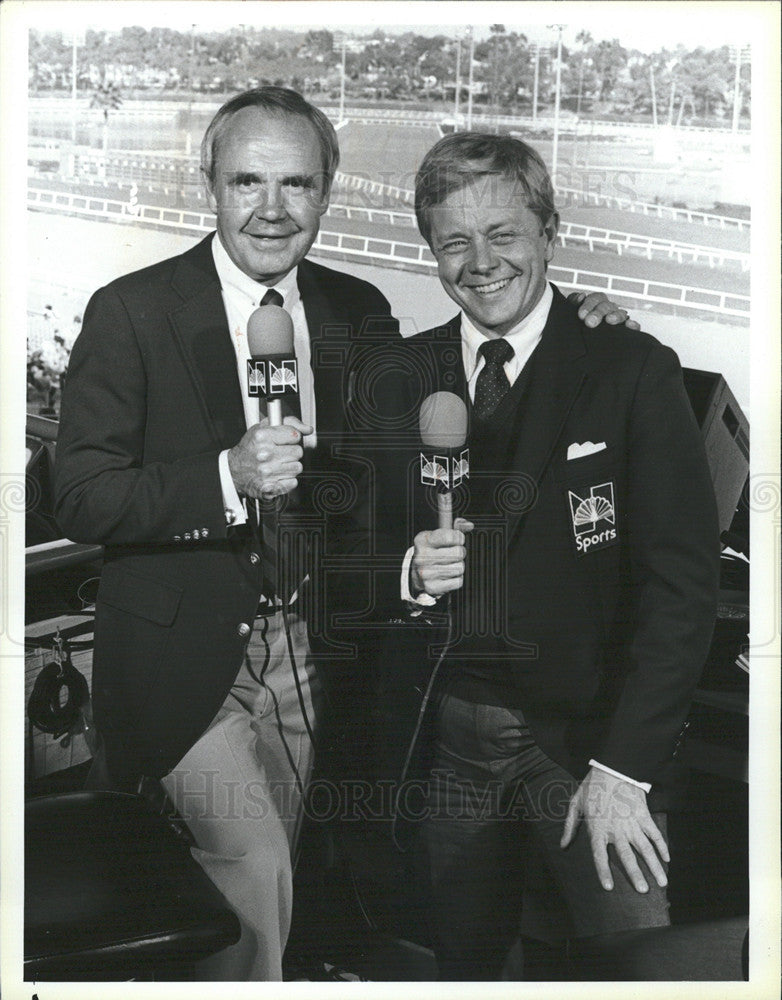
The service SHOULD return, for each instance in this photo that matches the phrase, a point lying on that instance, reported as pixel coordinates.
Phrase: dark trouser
(496, 801)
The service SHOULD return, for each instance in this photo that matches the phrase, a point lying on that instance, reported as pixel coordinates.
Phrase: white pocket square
(587, 448)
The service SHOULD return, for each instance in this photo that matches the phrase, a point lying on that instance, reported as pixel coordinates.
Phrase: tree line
(598, 78)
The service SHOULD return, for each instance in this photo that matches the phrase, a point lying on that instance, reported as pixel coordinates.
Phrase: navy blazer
(608, 590)
(151, 398)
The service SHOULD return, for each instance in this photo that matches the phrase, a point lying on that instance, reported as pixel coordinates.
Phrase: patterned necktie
(492, 382)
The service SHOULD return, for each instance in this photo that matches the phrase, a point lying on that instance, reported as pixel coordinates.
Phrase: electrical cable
(419, 723)
(338, 839)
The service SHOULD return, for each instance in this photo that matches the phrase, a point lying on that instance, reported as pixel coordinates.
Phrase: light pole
(739, 51)
(535, 84)
(469, 91)
(654, 94)
(672, 100)
(555, 149)
(458, 76)
(79, 38)
(189, 136)
(342, 83)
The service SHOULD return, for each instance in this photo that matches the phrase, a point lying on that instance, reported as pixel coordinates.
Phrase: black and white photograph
(390, 403)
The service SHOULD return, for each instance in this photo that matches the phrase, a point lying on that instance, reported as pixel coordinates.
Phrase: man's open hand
(597, 307)
(615, 812)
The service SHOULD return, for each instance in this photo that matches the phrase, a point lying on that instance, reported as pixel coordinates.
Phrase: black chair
(113, 893)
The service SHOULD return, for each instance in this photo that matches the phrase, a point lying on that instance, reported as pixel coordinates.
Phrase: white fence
(132, 109)
(174, 169)
(698, 299)
(374, 187)
(397, 252)
(653, 209)
(178, 170)
(595, 238)
(381, 216)
(573, 234)
(394, 251)
(119, 211)
(407, 196)
(412, 116)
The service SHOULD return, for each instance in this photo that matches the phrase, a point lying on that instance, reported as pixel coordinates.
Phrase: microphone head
(270, 332)
(443, 421)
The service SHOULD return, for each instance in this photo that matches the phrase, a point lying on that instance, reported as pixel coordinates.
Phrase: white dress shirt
(523, 338)
(241, 297)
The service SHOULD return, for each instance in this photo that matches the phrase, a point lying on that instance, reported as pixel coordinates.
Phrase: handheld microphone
(271, 370)
(443, 426)
(442, 422)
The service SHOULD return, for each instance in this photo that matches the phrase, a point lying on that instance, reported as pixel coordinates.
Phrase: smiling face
(269, 191)
(491, 252)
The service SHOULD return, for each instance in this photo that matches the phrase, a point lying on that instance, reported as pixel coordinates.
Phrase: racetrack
(70, 257)
(631, 265)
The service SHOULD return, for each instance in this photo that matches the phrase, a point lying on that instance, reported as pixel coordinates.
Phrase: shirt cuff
(423, 600)
(232, 504)
(644, 785)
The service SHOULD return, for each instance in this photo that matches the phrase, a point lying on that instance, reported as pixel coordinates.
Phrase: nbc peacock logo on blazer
(593, 518)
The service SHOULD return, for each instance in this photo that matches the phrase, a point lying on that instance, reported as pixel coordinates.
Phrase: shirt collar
(522, 337)
(233, 277)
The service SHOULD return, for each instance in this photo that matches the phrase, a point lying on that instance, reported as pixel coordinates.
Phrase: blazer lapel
(558, 375)
(438, 354)
(446, 345)
(201, 328)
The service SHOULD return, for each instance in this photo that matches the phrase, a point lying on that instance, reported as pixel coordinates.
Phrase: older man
(584, 599)
(203, 671)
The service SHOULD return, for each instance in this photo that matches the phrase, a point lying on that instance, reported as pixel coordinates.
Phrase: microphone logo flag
(445, 471)
(283, 378)
(267, 378)
(256, 378)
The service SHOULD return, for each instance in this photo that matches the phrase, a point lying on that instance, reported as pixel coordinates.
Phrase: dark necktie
(291, 406)
(492, 382)
(272, 298)
(275, 585)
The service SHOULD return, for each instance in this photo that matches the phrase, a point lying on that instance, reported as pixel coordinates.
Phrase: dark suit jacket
(152, 397)
(605, 639)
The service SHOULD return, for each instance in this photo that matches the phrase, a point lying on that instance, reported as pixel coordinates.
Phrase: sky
(647, 25)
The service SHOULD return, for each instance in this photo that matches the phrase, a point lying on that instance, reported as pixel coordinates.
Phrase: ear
(550, 231)
(325, 196)
(208, 190)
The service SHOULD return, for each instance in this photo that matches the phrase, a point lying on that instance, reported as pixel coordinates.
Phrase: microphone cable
(296, 679)
(419, 722)
(338, 840)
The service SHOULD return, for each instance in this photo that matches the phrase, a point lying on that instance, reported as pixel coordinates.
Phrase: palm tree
(498, 33)
(584, 39)
(107, 98)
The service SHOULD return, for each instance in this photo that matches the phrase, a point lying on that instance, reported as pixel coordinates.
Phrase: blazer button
(244, 630)
(196, 534)
(187, 536)
(204, 532)
(254, 558)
